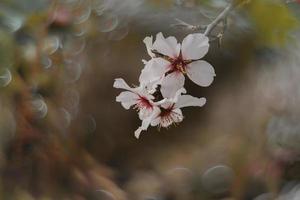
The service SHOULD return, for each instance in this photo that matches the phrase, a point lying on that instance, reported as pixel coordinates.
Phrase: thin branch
(205, 15)
(290, 1)
(219, 18)
(182, 24)
(206, 28)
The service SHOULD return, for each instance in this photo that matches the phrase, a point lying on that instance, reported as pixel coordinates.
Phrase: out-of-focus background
(63, 136)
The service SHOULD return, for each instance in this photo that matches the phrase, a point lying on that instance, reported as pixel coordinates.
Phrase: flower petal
(149, 45)
(153, 70)
(188, 100)
(175, 116)
(144, 113)
(201, 73)
(144, 61)
(156, 121)
(169, 102)
(121, 84)
(146, 122)
(171, 84)
(167, 46)
(194, 46)
(165, 121)
(127, 99)
(138, 132)
(178, 94)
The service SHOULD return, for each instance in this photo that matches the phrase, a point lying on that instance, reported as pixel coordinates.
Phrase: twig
(290, 1)
(188, 26)
(219, 18)
(206, 28)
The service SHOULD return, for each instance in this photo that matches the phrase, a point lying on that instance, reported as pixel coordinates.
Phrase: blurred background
(63, 136)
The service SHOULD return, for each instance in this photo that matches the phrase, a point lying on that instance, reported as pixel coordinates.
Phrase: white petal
(149, 45)
(174, 117)
(144, 93)
(144, 61)
(167, 46)
(171, 84)
(177, 115)
(137, 133)
(154, 70)
(194, 46)
(127, 99)
(201, 73)
(188, 100)
(145, 112)
(156, 121)
(165, 122)
(152, 86)
(168, 102)
(141, 90)
(178, 94)
(146, 122)
(121, 84)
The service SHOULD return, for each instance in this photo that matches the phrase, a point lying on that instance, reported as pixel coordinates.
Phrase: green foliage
(273, 21)
(6, 49)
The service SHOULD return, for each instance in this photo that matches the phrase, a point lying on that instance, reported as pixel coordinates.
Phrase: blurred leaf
(6, 49)
(164, 3)
(241, 2)
(37, 19)
(27, 6)
(295, 7)
(273, 21)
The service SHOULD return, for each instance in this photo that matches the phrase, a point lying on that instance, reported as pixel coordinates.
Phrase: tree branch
(182, 24)
(206, 28)
(217, 20)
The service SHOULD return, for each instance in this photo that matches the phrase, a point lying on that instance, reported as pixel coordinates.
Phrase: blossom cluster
(161, 93)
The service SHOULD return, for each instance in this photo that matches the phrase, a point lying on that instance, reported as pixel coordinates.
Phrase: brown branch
(218, 19)
(206, 28)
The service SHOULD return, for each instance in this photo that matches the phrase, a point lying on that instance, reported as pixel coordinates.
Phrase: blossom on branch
(137, 97)
(174, 61)
(170, 110)
(161, 94)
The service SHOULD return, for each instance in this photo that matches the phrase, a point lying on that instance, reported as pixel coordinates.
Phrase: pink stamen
(143, 102)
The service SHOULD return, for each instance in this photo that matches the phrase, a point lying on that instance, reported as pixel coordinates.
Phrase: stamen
(143, 103)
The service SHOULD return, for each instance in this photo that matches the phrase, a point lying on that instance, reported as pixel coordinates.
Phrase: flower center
(168, 116)
(179, 64)
(165, 112)
(143, 102)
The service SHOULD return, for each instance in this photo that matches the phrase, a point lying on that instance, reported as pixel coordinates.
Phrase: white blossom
(170, 110)
(137, 97)
(161, 94)
(146, 122)
(171, 61)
